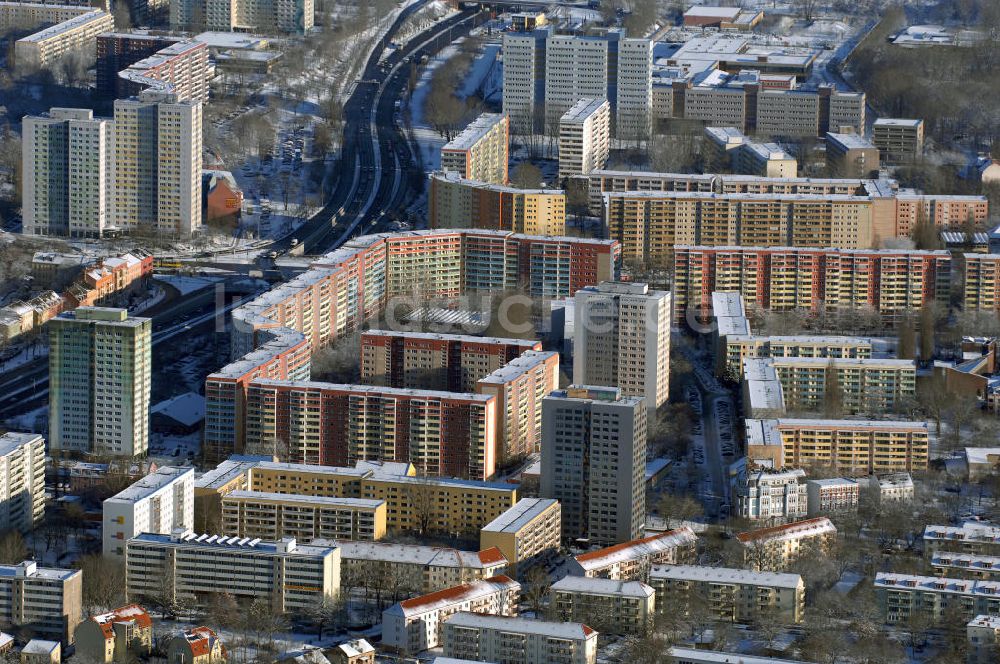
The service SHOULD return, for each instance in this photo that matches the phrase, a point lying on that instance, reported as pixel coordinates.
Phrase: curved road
(25, 387)
(380, 179)
(374, 158)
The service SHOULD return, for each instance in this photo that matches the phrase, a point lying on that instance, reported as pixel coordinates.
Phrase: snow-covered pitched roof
(789, 531)
(442, 599)
(638, 548)
(559, 630)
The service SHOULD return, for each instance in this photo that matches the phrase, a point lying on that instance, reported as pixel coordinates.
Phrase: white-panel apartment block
(633, 120)
(623, 340)
(157, 503)
(66, 161)
(22, 480)
(584, 137)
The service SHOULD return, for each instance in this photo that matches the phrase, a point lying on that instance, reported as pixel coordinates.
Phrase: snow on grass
(428, 140)
(483, 75)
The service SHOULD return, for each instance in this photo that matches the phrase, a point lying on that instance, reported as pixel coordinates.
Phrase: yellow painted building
(456, 202)
(271, 516)
(410, 502)
(525, 533)
(856, 447)
(648, 224)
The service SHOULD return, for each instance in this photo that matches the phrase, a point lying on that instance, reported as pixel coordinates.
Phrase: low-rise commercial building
(118, 636)
(41, 651)
(273, 516)
(616, 607)
(899, 140)
(526, 534)
(414, 625)
(45, 600)
(157, 503)
(480, 151)
(734, 595)
(22, 480)
(632, 560)
(517, 640)
(425, 568)
(292, 577)
(774, 548)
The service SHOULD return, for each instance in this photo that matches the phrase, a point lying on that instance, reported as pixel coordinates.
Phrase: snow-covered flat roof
(981, 455)
(583, 109)
(851, 424)
(305, 501)
(40, 647)
(414, 554)
(474, 132)
(518, 366)
(898, 122)
(713, 12)
(521, 514)
(15, 440)
(151, 484)
(678, 653)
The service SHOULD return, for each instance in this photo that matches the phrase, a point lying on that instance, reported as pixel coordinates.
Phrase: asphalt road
(377, 171)
(25, 387)
(380, 180)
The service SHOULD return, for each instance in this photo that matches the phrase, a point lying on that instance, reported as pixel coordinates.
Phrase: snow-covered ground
(483, 77)
(428, 140)
(187, 285)
(29, 352)
(35, 421)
